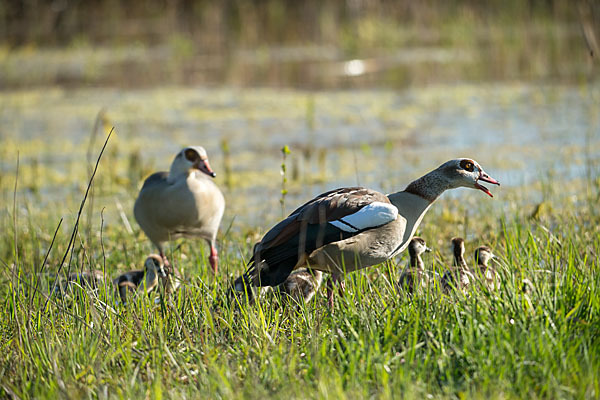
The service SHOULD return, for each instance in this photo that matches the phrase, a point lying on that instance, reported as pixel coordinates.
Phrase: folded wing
(332, 216)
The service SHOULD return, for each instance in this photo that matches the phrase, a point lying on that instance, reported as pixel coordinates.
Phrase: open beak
(204, 166)
(485, 178)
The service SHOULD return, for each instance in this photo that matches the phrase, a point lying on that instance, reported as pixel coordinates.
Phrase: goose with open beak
(351, 228)
(184, 202)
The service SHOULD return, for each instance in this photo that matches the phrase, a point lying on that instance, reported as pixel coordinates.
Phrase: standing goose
(130, 281)
(414, 274)
(459, 276)
(183, 202)
(483, 255)
(352, 228)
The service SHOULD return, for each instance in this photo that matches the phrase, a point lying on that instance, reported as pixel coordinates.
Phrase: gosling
(459, 276)
(129, 282)
(88, 280)
(301, 285)
(414, 274)
(483, 255)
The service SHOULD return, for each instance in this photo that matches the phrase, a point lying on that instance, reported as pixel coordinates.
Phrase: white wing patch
(370, 216)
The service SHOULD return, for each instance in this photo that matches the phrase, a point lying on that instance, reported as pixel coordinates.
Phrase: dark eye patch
(191, 155)
(467, 165)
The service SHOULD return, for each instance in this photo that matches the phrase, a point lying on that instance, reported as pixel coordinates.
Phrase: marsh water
(523, 134)
(367, 93)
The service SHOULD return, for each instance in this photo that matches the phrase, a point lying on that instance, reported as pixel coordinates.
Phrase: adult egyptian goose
(301, 285)
(414, 274)
(483, 255)
(129, 282)
(459, 276)
(183, 202)
(347, 229)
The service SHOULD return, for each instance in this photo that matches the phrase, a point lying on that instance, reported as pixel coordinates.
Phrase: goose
(87, 280)
(351, 228)
(414, 273)
(129, 282)
(483, 255)
(171, 282)
(301, 285)
(183, 202)
(527, 286)
(459, 276)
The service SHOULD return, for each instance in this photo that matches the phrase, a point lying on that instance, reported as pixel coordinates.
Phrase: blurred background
(369, 92)
(303, 44)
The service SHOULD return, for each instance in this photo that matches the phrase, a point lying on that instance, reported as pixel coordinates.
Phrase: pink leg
(214, 259)
(342, 287)
(166, 262)
(330, 284)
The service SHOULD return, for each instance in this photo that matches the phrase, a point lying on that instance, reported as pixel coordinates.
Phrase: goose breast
(187, 207)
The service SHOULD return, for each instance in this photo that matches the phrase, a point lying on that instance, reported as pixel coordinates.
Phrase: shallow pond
(522, 134)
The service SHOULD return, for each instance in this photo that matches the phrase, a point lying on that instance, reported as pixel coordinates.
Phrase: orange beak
(486, 178)
(204, 166)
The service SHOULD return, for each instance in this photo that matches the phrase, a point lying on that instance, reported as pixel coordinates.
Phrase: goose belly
(366, 249)
(179, 211)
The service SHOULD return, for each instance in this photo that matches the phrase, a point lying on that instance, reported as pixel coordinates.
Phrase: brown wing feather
(329, 206)
(306, 229)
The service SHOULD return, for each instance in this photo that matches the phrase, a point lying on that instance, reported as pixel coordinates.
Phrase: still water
(521, 134)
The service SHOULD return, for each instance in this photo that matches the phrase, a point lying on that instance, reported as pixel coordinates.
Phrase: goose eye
(191, 155)
(467, 165)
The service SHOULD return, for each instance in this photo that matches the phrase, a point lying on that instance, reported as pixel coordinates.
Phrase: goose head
(190, 159)
(417, 246)
(458, 251)
(466, 172)
(483, 254)
(154, 265)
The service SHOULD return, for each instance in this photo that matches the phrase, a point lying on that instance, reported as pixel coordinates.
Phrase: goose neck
(430, 186)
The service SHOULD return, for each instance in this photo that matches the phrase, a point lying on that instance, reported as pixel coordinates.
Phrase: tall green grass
(543, 343)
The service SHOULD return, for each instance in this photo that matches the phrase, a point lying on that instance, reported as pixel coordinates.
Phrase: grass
(377, 343)
(543, 225)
